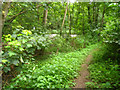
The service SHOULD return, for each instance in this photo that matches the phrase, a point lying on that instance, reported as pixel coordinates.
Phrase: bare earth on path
(81, 80)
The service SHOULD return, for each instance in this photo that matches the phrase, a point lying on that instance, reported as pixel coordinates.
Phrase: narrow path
(81, 80)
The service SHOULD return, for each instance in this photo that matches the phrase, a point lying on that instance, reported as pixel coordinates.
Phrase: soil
(81, 80)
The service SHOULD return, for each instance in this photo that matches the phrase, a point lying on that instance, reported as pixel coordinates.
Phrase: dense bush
(104, 69)
(20, 47)
(59, 44)
(67, 43)
(111, 34)
(81, 41)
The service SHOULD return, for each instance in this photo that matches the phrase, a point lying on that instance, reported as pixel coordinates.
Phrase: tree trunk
(46, 12)
(45, 17)
(64, 19)
(83, 22)
(102, 18)
(102, 22)
(72, 18)
(96, 21)
(93, 15)
(6, 7)
(89, 19)
(38, 15)
(69, 21)
(78, 15)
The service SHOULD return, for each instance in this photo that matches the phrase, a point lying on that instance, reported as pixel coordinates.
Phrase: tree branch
(13, 17)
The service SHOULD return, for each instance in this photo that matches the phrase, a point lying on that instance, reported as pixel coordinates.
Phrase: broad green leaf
(15, 43)
(0, 65)
(4, 61)
(26, 32)
(29, 45)
(15, 62)
(21, 49)
(7, 46)
(21, 59)
(11, 53)
(24, 40)
(8, 39)
(6, 69)
(2, 52)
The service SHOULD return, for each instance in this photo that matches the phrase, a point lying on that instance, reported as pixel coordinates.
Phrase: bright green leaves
(4, 61)
(7, 37)
(26, 32)
(21, 49)
(55, 72)
(21, 46)
(24, 41)
(40, 78)
(11, 53)
(111, 32)
(29, 45)
(0, 65)
(7, 47)
(15, 43)
(104, 71)
(21, 59)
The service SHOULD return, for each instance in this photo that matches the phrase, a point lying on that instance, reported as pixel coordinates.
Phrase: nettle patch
(20, 47)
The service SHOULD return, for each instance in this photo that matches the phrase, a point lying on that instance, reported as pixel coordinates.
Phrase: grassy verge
(55, 72)
(104, 69)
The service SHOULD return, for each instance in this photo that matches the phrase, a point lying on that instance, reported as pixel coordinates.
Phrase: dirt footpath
(81, 80)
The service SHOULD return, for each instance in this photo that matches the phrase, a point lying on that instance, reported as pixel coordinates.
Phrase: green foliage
(60, 43)
(82, 41)
(68, 43)
(111, 34)
(55, 72)
(20, 47)
(104, 69)
(92, 21)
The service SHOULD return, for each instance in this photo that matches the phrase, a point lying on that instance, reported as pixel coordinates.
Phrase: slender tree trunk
(45, 17)
(94, 12)
(64, 19)
(69, 21)
(38, 15)
(46, 12)
(89, 18)
(78, 15)
(72, 18)
(83, 22)
(102, 22)
(79, 10)
(96, 21)
(93, 15)
(6, 7)
(103, 18)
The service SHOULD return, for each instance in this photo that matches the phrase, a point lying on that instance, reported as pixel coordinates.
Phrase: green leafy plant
(111, 34)
(58, 43)
(21, 47)
(104, 69)
(56, 72)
